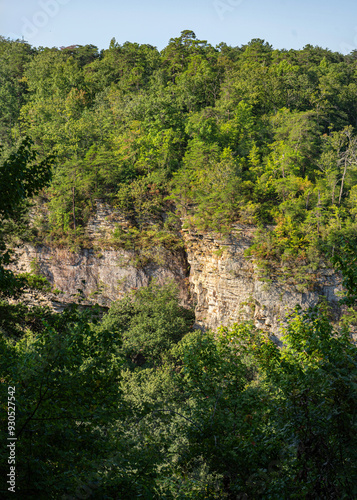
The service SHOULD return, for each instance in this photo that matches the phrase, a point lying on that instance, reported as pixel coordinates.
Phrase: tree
(316, 374)
(150, 321)
(22, 175)
(66, 380)
(344, 259)
(310, 417)
(14, 56)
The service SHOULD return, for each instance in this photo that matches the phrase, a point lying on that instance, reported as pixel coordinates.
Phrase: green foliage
(132, 403)
(35, 282)
(66, 377)
(16, 320)
(14, 55)
(344, 259)
(22, 175)
(213, 135)
(166, 413)
(316, 375)
(225, 408)
(311, 383)
(149, 321)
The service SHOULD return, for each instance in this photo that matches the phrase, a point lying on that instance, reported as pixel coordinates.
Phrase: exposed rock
(225, 287)
(104, 221)
(223, 282)
(89, 276)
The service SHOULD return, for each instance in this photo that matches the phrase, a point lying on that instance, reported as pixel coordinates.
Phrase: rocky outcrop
(225, 287)
(212, 272)
(90, 276)
(99, 274)
(104, 221)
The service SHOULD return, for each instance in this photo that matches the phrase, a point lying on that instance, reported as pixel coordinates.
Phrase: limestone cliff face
(225, 287)
(212, 273)
(100, 274)
(89, 276)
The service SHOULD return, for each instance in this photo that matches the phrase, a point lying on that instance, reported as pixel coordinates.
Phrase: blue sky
(283, 23)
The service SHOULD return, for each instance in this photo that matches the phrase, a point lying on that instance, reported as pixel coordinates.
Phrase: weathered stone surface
(225, 287)
(104, 221)
(90, 276)
(223, 283)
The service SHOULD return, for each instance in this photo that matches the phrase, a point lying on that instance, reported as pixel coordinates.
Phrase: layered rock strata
(225, 287)
(212, 272)
(90, 276)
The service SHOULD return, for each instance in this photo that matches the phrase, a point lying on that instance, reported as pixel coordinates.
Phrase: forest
(134, 402)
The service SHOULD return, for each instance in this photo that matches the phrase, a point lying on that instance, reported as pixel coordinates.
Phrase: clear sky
(283, 23)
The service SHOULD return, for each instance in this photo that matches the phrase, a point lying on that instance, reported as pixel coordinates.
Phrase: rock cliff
(89, 277)
(212, 272)
(225, 286)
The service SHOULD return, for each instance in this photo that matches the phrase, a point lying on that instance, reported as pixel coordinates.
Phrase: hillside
(172, 207)
(208, 135)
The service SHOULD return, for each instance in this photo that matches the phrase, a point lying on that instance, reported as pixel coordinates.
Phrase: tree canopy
(213, 135)
(133, 402)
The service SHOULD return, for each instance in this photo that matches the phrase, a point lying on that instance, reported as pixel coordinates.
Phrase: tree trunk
(74, 207)
(342, 181)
